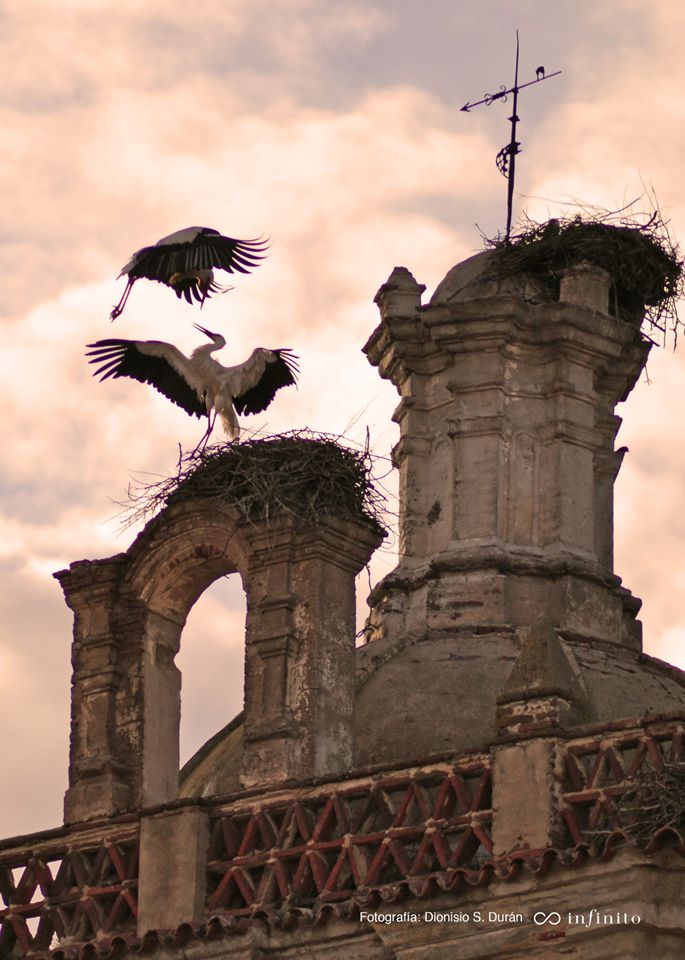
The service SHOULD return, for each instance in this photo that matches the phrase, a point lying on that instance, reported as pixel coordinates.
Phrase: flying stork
(184, 262)
(200, 384)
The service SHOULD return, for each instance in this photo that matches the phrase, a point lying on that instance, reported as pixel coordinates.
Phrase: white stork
(200, 384)
(185, 260)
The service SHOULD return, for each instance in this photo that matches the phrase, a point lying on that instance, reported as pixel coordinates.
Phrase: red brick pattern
(598, 771)
(325, 846)
(321, 848)
(67, 894)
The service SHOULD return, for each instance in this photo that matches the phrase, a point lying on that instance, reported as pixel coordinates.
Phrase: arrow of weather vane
(506, 158)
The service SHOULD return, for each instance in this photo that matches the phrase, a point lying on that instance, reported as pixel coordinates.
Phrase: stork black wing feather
(281, 372)
(208, 250)
(125, 358)
(146, 264)
(240, 255)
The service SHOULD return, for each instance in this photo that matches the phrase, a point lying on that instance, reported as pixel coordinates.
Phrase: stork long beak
(206, 332)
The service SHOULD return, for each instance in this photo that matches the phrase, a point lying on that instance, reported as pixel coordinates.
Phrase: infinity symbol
(541, 918)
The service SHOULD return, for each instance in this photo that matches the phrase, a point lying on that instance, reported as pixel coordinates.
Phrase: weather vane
(506, 158)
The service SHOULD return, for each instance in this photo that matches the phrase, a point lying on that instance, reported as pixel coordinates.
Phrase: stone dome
(439, 695)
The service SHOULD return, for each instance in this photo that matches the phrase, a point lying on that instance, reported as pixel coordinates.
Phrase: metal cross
(506, 158)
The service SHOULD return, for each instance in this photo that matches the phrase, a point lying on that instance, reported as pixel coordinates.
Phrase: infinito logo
(541, 918)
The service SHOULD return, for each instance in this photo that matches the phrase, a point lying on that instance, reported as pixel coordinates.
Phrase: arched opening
(212, 663)
(195, 545)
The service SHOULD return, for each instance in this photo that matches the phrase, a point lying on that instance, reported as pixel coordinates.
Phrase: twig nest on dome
(642, 259)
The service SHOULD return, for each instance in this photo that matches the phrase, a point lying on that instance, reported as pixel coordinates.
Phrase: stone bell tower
(506, 456)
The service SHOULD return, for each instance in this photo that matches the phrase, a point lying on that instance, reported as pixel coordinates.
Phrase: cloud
(650, 527)
(35, 699)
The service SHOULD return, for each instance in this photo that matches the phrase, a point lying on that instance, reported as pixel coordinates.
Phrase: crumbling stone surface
(506, 454)
(129, 614)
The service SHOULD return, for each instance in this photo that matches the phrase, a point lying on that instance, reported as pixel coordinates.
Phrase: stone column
(543, 695)
(173, 867)
(506, 452)
(98, 784)
(299, 674)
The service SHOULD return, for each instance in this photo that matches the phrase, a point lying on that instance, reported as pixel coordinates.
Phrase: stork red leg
(122, 303)
(205, 437)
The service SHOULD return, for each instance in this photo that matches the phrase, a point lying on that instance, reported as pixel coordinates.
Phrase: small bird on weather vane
(506, 158)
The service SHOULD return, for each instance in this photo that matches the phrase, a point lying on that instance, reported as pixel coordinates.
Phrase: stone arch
(185, 549)
(171, 565)
(130, 611)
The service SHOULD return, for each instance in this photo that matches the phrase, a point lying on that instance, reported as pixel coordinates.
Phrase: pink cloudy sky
(332, 126)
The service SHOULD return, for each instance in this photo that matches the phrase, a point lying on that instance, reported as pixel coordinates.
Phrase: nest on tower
(300, 474)
(641, 257)
(656, 799)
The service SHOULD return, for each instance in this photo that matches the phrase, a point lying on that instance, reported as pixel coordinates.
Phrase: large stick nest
(656, 799)
(641, 257)
(300, 474)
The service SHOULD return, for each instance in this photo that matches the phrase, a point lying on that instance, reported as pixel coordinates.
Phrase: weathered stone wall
(506, 455)
(129, 614)
(299, 673)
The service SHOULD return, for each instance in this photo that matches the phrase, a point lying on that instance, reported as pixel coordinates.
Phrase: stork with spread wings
(200, 384)
(186, 260)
